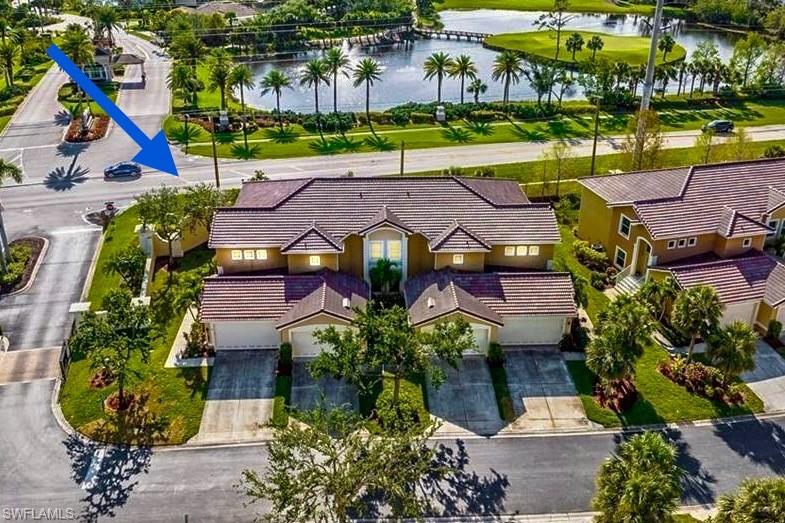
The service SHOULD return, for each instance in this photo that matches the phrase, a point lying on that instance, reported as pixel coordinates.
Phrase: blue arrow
(155, 152)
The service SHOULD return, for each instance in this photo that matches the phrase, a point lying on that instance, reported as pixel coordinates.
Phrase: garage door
(246, 335)
(739, 312)
(482, 335)
(304, 345)
(531, 330)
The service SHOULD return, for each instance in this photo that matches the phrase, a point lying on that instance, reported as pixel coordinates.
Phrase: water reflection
(403, 78)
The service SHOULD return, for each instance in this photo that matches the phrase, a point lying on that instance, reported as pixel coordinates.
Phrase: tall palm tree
(697, 312)
(182, 78)
(78, 47)
(732, 350)
(658, 294)
(463, 67)
(106, 21)
(8, 171)
(186, 46)
(595, 44)
(219, 66)
(666, 45)
(367, 71)
(312, 75)
(574, 44)
(476, 88)
(436, 66)
(337, 63)
(274, 82)
(9, 52)
(242, 78)
(756, 500)
(507, 67)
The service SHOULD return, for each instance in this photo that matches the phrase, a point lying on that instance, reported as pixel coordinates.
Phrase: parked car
(123, 170)
(718, 126)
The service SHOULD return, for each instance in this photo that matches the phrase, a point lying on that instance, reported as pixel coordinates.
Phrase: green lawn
(69, 98)
(633, 50)
(578, 6)
(206, 100)
(564, 260)
(119, 235)
(175, 396)
(26, 78)
(659, 399)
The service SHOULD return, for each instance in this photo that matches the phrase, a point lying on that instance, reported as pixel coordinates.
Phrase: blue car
(123, 170)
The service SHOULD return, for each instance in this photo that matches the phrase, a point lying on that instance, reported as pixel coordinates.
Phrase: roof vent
(347, 303)
(431, 303)
(361, 195)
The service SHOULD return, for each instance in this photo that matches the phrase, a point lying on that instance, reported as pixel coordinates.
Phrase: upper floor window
(261, 254)
(671, 244)
(625, 225)
(314, 260)
(682, 243)
(385, 249)
(746, 242)
(534, 250)
(248, 254)
(692, 242)
(521, 250)
(457, 259)
(509, 250)
(237, 254)
(774, 224)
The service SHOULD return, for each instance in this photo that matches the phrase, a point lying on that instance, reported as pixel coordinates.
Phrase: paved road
(45, 468)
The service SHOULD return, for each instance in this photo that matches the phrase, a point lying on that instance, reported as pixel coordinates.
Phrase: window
(261, 254)
(624, 226)
(521, 250)
(671, 244)
(377, 250)
(682, 243)
(314, 260)
(534, 250)
(394, 250)
(248, 254)
(237, 254)
(509, 250)
(692, 242)
(746, 242)
(774, 224)
(457, 259)
(620, 259)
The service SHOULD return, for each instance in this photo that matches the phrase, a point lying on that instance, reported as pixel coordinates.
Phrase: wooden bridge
(449, 35)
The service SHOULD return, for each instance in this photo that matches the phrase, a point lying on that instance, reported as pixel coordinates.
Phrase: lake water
(402, 78)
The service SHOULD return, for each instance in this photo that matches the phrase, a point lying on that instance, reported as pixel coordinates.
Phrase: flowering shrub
(700, 379)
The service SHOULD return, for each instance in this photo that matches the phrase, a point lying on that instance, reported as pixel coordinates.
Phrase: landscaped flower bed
(97, 130)
(701, 379)
(24, 256)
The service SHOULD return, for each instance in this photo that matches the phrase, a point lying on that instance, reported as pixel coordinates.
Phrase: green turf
(564, 260)
(659, 399)
(633, 50)
(68, 97)
(581, 6)
(206, 99)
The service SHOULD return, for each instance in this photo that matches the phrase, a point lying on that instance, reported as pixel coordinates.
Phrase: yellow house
(694, 223)
(297, 255)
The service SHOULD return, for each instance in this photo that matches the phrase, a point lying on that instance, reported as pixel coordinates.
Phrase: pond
(402, 79)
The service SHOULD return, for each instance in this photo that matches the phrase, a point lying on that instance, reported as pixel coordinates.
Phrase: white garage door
(531, 330)
(304, 345)
(246, 335)
(739, 312)
(482, 337)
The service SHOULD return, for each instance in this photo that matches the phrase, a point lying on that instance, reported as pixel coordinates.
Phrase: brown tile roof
(752, 276)
(491, 209)
(281, 298)
(385, 216)
(312, 239)
(671, 204)
(734, 224)
(458, 238)
(490, 296)
(776, 199)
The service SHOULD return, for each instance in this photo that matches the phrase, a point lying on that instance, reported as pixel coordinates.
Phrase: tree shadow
(224, 138)
(181, 135)
(71, 150)
(62, 118)
(246, 153)
(347, 144)
(281, 136)
(529, 135)
(66, 178)
(759, 441)
(457, 135)
(196, 380)
(379, 143)
(325, 146)
(106, 474)
(697, 481)
(480, 128)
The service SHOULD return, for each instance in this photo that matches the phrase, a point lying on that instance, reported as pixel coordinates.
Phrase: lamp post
(186, 133)
(215, 154)
(648, 84)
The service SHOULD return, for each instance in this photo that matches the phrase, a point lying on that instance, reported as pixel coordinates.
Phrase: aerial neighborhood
(385, 260)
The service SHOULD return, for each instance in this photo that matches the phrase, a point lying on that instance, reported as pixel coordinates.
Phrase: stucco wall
(299, 263)
(593, 218)
(455, 315)
(274, 260)
(731, 247)
(351, 260)
(497, 257)
(319, 319)
(472, 261)
(420, 259)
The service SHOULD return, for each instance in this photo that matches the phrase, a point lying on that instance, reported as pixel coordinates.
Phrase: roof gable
(733, 224)
(458, 238)
(312, 239)
(385, 217)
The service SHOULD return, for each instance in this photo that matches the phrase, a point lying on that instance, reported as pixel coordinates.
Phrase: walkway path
(768, 378)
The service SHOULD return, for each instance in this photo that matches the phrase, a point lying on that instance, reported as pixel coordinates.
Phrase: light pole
(4, 249)
(648, 84)
(215, 154)
(186, 133)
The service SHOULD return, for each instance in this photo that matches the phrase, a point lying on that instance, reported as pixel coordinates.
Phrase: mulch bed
(97, 130)
(620, 398)
(130, 401)
(36, 245)
(102, 378)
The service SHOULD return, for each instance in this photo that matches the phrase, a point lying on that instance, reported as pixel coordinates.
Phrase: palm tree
(242, 78)
(385, 275)
(463, 67)
(756, 500)
(78, 47)
(507, 67)
(436, 66)
(8, 171)
(595, 44)
(182, 78)
(367, 71)
(574, 44)
(658, 294)
(640, 482)
(697, 312)
(337, 63)
(274, 82)
(477, 87)
(666, 45)
(219, 68)
(106, 21)
(186, 46)
(312, 75)
(9, 52)
(5, 28)
(732, 350)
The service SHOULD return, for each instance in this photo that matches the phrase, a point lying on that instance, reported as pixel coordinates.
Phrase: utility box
(441, 115)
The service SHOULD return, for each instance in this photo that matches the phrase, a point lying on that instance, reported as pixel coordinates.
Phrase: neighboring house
(296, 255)
(706, 224)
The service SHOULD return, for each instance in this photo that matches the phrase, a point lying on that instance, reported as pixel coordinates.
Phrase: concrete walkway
(239, 398)
(768, 378)
(29, 365)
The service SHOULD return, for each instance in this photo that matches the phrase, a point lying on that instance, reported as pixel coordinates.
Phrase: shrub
(486, 116)
(285, 358)
(400, 417)
(422, 118)
(340, 122)
(13, 275)
(774, 151)
(485, 172)
(495, 355)
(399, 117)
(197, 343)
(594, 260)
(453, 171)
(775, 329)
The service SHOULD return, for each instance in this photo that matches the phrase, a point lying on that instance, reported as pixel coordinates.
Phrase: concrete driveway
(542, 391)
(308, 393)
(767, 380)
(466, 401)
(239, 398)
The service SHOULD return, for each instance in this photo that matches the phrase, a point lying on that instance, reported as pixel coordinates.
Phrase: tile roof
(490, 296)
(752, 276)
(734, 224)
(458, 238)
(776, 199)
(312, 239)
(675, 203)
(495, 210)
(281, 298)
(385, 216)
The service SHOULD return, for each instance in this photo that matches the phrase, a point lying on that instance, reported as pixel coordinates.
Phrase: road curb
(57, 412)
(91, 271)
(38, 263)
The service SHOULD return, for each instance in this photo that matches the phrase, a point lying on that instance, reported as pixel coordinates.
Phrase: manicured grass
(502, 392)
(633, 50)
(26, 78)
(119, 235)
(175, 396)
(659, 399)
(206, 100)
(564, 260)
(578, 6)
(68, 97)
